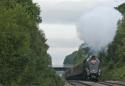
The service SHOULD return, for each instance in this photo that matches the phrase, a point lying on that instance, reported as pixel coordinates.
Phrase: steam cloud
(98, 27)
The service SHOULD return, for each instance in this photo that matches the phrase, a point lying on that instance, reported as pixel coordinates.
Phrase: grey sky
(60, 22)
(62, 39)
(70, 11)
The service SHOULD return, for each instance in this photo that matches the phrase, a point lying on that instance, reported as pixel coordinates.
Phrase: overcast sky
(60, 19)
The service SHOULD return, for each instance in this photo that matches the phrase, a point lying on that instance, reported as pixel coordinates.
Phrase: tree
(23, 50)
(77, 56)
(116, 51)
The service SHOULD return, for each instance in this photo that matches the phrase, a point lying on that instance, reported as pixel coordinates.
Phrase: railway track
(100, 83)
(78, 83)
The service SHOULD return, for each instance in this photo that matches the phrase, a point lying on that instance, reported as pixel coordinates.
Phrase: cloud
(63, 36)
(67, 12)
(64, 43)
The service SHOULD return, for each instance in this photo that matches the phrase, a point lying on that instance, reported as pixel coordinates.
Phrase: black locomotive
(92, 69)
(89, 69)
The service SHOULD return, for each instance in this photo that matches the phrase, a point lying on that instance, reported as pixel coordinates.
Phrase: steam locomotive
(89, 69)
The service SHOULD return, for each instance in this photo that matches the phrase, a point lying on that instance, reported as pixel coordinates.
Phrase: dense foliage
(77, 56)
(115, 68)
(23, 50)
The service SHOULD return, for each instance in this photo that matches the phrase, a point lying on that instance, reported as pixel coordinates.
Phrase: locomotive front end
(93, 68)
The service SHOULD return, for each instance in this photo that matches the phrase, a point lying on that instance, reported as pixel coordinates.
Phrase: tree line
(23, 50)
(115, 56)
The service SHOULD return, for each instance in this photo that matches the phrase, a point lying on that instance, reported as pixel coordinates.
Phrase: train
(88, 69)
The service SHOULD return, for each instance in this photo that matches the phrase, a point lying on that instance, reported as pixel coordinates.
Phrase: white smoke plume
(98, 27)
